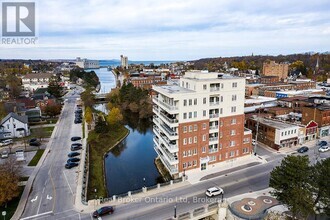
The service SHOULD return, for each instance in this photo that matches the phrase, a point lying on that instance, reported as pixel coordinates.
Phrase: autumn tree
(40, 133)
(53, 110)
(14, 84)
(88, 97)
(114, 117)
(88, 115)
(10, 172)
(3, 111)
(54, 87)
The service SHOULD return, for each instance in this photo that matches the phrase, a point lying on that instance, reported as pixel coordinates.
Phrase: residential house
(14, 126)
(35, 81)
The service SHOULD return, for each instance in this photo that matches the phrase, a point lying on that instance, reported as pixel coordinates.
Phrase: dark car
(323, 143)
(76, 147)
(73, 160)
(75, 138)
(35, 143)
(302, 149)
(71, 165)
(73, 154)
(33, 140)
(77, 121)
(103, 211)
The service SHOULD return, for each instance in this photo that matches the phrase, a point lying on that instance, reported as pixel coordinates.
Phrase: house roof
(23, 119)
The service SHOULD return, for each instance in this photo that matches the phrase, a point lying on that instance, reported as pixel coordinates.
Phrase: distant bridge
(100, 97)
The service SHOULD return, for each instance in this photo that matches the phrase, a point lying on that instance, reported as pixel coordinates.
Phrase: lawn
(99, 145)
(36, 157)
(46, 132)
(12, 205)
(52, 120)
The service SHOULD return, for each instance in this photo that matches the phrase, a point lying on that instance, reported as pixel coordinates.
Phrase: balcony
(214, 89)
(172, 135)
(170, 120)
(214, 103)
(172, 169)
(155, 120)
(165, 105)
(214, 115)
(247, 131)
(156, 130)
(173, 148)
(155, 110)
(162, 151)
(215, 127)
(213, 150)
(156, 140)
(213, 139)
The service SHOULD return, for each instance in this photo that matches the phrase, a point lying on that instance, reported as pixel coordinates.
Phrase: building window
(195, 114)
(190, 128)
(195, 163)
(184, 141)
(184, 129)
(220, 157)
(195, 139)
(204, 137)
(221, 123)
(232, 154)
(232, 143)
(245, 150)
(189, 164)
(221, 85)
(204, 113)
(195, 127)
(233, 109)
(184, 115)
(185, 102)
(234, 85)
(220, 146)
(204, 126)
(234, 97)
(233, 121)
(203, 149)
(221, 111)
(204, 87)
(190, 102)
(184, 165)
(189, 153)
(221, 98)
(195, 101)
(220, 134)
(195, 151)
(190, 114)
(190, 140)
(232, 132)
(212, 158)
(204, 100)
(246, 140)
(184, 153)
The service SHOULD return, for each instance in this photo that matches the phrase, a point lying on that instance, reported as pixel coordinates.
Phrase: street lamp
(175, 211)
(144, 182)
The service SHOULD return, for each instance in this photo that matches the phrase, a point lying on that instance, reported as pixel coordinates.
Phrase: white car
(253, 142)
(324, 149)
(4, 154)
(6, 142)
(214, 191)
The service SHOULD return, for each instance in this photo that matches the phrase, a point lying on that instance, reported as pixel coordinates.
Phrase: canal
(130, 165)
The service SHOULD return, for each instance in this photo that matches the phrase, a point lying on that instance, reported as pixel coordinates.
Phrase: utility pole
(257, 130)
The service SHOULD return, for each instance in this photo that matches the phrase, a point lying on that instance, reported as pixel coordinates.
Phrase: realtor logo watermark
(18, 23)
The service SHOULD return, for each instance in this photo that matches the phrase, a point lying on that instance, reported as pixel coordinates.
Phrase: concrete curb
(21, 205)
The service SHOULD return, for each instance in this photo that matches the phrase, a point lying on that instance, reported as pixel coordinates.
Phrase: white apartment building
(34, 81)
(200, 121)
(87, 64)
(124, 61)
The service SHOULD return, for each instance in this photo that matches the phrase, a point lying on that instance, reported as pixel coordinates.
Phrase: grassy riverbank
(100, 144)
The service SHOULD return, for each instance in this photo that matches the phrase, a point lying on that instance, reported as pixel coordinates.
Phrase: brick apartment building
(200, 121)
(270, 68)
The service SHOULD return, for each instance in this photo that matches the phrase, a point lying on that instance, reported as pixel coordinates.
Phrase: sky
(175, 29)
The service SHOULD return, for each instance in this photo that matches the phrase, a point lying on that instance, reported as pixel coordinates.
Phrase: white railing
(213, 89)
(169, 119)
(214, 115)
(214, 127)
(213, 150)
(213, 139)
(214, 103)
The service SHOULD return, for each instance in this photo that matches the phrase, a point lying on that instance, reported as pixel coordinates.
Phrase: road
(54, 186)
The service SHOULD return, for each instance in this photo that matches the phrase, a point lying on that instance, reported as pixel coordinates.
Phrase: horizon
(170, 30)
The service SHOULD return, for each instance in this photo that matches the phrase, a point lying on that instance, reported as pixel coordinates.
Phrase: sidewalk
(218, 169)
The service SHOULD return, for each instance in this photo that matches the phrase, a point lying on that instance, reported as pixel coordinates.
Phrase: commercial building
(87, 64)
(200, 121)
(319, 113)
(273, 133)
(270, 68)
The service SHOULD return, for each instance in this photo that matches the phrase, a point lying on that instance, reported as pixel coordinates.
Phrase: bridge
(100, 97)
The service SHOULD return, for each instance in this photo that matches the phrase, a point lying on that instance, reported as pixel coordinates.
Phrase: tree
(40, 133)
(88, 97)
(320, 182)
(88, 115)
(3, 111)
(101, 125)
(292, 185)
(10, 172)
(53, 110)
(114, 117)
(14, 84)
(54, 87)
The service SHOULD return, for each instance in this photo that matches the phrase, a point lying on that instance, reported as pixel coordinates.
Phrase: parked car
(33, 140)
(73, 159)
(324, 149)
(75, 138)
(103, 211)
(253, 142)
(71, 165)
(35, 143)
(6, 142)
(77, 121)
(75, 148)
(214, 191)
(323, 143)
(4, 154)
(302, 149)
(73, 154)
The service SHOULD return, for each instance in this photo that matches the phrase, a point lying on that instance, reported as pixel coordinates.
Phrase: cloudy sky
(176, 29)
